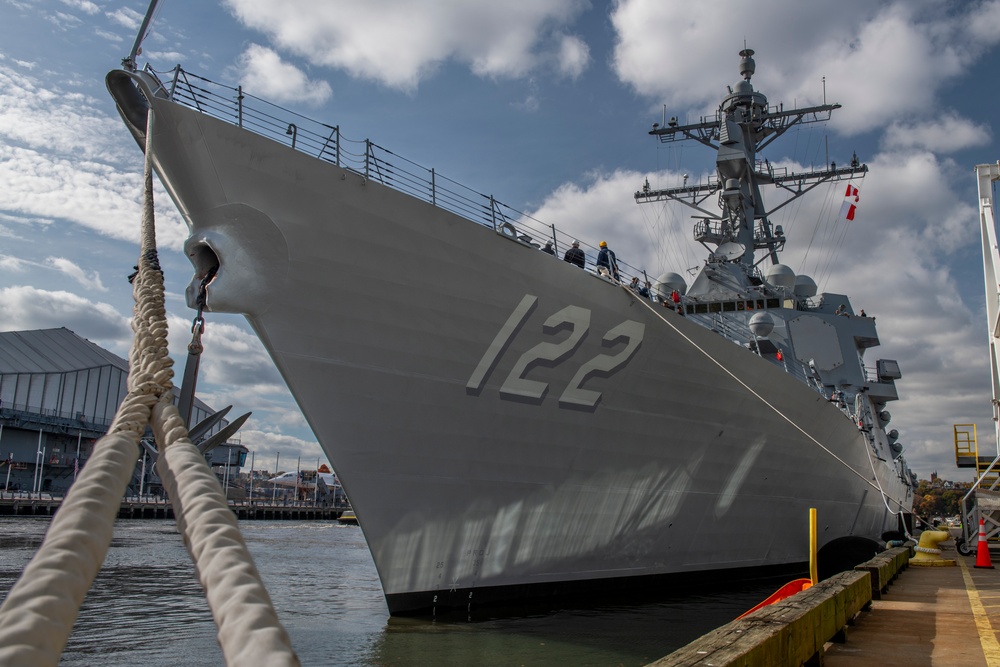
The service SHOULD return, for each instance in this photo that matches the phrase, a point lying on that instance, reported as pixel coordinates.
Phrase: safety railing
(363, 157)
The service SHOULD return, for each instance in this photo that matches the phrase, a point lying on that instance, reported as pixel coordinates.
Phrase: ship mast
(742, 127)
(129, 61)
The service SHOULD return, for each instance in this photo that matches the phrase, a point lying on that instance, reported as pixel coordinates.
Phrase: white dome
(761, 324)
(805, 286)
(780, 275)
(667, 283)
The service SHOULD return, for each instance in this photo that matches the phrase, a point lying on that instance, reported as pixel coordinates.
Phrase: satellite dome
(780, 275)
(805, 286)
(667, 283)
(761, 324)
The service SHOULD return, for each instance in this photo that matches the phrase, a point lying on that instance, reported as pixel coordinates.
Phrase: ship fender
(247, 281)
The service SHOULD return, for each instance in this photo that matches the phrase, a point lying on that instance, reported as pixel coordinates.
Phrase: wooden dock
(157, 508)
(911, 617)
(947, 616)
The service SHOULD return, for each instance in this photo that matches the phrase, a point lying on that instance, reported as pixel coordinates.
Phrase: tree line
(937, 498)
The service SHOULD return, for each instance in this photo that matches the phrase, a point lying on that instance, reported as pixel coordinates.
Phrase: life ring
(508, 229)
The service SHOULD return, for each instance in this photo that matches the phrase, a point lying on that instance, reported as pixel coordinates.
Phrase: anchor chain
(198, 324)
(185, 401)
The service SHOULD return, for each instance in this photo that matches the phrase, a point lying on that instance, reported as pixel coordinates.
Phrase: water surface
(146, 607)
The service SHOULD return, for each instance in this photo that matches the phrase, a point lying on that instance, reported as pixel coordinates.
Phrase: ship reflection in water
(146, 607)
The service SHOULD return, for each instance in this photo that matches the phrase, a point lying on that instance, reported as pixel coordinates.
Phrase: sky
(547, 106)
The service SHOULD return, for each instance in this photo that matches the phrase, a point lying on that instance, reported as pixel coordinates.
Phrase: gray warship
(513, 429)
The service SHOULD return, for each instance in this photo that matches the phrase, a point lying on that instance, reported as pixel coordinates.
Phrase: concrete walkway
(947, 616)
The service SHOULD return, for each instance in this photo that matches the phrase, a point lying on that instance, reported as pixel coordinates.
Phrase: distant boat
(304, 479)
(511, 426)
(348, 518)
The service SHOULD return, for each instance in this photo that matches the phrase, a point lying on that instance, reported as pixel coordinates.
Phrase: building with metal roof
(58, 394)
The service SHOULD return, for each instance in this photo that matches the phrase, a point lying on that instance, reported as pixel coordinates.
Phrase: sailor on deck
(576, 256)
(606, 259)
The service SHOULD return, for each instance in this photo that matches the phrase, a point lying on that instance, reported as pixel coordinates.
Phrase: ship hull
(505, 424)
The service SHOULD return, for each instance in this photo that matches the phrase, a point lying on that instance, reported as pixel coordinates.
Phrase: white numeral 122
(577, 320)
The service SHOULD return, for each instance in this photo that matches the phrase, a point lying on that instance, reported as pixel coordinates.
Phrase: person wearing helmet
(606, 259)
(575, 255)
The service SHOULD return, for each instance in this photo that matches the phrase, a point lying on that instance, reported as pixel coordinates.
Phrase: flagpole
(225, 473)
(41, 473)
(76, 464)
(38, 452)
(298, 468)
(252, 457)
(274, 487)
(316, 488)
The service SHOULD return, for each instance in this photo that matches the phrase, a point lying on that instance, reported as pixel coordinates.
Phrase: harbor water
(146, 607)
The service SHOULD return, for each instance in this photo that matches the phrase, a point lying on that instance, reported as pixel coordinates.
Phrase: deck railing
(363, 157)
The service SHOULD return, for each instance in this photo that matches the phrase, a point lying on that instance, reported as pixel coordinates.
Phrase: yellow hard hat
(604, 244)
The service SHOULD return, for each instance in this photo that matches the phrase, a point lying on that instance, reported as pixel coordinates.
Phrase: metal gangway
(983, 499)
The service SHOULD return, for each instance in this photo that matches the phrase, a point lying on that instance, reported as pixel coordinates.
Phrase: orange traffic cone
(983, 549)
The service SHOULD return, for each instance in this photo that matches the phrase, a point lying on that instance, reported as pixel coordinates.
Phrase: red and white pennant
(850, 205)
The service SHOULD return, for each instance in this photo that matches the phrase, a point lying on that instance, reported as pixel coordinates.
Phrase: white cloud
(95, 195)
(126, 17)
(54, 120)
(84, 6)
(65, 21)
(108, 36)
(91, 281)
(573, 56)
(947, 134)
(879, 60)
(56, 161)
(13, 264)
(24, 307)
(267, 75)
(398, 42)
(285, 451)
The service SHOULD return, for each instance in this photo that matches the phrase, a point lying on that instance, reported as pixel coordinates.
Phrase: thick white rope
(249, 629)
(39, 612)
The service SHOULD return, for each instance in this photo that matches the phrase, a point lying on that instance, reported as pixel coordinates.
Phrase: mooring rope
(38, 614)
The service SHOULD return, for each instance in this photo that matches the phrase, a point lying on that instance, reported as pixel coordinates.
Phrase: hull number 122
(577, 321)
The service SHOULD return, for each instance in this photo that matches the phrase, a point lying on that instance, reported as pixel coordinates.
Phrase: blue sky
(545, 105)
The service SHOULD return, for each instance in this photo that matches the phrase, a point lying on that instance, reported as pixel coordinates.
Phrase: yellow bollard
(928, 553)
